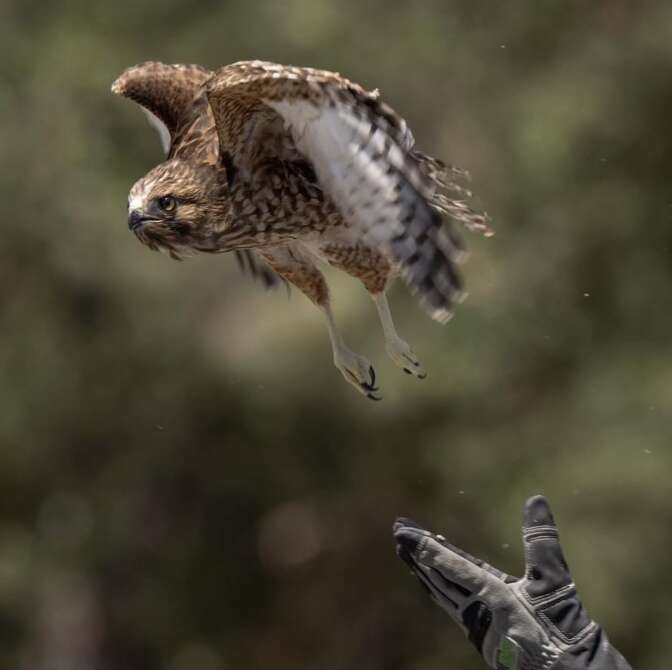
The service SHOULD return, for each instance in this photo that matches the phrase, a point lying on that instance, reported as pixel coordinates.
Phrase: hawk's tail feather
(460, 211)
(448, 178)
(442, 174)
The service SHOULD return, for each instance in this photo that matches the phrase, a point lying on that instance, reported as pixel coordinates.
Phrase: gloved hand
(536, 622)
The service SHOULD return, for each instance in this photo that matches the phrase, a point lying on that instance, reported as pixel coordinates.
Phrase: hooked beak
(137, 218)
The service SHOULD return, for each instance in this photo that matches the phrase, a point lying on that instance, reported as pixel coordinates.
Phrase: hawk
(289, 167)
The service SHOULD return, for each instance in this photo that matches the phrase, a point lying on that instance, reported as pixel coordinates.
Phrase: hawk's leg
(376, 273)
(355, 368)
(300, 271)
(397, 349)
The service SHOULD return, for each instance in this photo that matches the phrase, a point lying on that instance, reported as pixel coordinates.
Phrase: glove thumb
(545, 567)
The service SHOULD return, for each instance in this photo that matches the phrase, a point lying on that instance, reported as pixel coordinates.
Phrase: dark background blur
(185, 479)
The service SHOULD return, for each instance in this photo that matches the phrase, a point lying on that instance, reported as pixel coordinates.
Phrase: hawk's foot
(357, 371)
(403, 356)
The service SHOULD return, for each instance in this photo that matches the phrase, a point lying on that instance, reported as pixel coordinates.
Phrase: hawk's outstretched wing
(361, 152)
(165, 92)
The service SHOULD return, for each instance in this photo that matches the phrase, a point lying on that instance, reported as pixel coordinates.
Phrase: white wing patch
(161, 128)
(349, 161)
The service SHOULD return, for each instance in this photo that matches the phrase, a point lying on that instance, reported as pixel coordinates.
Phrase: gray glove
(536, 622)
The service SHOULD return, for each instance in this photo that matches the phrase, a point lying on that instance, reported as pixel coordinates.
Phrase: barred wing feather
(373, 181)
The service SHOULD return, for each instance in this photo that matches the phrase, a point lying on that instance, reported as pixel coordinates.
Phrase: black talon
(372, 374)
(407, 371)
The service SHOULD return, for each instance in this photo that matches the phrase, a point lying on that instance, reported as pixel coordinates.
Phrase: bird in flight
(289, 167)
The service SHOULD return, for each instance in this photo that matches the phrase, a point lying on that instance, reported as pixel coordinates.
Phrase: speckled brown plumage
(371, 267)
(287, 166)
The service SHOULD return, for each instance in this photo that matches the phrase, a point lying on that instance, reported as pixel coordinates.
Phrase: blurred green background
(186, 482)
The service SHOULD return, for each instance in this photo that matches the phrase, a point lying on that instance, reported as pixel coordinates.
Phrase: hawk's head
(177, 206)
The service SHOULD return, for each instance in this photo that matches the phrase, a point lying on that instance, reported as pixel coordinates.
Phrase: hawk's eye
(167, 203)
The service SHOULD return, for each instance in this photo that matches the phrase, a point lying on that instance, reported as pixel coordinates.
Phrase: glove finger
(404, 522)
(452, 564)
(416, 532)
(546, 568)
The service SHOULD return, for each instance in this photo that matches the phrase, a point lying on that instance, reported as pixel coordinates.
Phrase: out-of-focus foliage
(186, 481)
